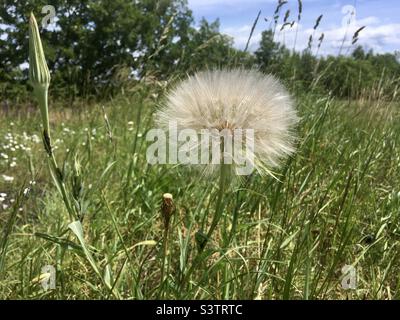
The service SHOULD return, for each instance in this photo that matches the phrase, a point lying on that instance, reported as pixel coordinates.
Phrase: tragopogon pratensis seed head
(236, 99)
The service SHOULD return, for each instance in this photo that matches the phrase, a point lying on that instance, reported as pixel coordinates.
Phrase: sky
(341, 18)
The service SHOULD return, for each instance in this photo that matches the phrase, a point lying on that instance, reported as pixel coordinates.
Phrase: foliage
(100, 48)
(337, 202)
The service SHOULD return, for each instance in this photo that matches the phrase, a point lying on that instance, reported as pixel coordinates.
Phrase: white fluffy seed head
(236, 99)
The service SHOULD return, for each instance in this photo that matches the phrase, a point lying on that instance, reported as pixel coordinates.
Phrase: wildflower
(7, 178)
(236, 100)
(227, 101)
(39, 75)
(26, 191)
(167, 208)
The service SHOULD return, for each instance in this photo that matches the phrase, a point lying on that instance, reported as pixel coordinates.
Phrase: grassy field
(337, 203)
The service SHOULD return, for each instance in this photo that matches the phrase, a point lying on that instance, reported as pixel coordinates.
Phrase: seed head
(236, 99)
(167, 208)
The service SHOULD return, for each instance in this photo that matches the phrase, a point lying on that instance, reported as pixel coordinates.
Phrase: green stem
(164, 258)
(56, 172)
(223, 182)
(41, 94)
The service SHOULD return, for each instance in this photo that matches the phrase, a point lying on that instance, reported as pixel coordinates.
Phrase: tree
(92, 39)
(359, 53)
(269, 52)
(207, 48)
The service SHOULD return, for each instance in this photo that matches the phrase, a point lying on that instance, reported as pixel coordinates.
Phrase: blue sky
(381, 18)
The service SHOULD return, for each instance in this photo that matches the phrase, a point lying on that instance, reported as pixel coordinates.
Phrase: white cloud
(211, 3)
(379, 37)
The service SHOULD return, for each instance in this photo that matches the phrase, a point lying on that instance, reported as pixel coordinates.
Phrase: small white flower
(35, 139)
(8, 178)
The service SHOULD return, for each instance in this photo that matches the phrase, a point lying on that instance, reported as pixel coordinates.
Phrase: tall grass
(336, 203)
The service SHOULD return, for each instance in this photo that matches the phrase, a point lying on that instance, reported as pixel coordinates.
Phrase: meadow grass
(337, 202)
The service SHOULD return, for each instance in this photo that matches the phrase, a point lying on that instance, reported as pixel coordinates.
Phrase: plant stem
(41, 94)
(42, 97)
(223, 181)
(164, 258)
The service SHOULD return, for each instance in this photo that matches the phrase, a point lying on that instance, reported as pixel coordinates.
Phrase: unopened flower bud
(39, 75)
(39, 78)
(167, 208)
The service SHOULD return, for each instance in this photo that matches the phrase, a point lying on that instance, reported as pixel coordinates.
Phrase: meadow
(336, 203)
(88, 214)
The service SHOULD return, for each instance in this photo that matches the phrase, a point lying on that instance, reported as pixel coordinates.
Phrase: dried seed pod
(167, 208)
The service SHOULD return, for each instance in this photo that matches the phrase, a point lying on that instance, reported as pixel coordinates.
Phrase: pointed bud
(167, 208)
(39, 77)
(39, 74)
